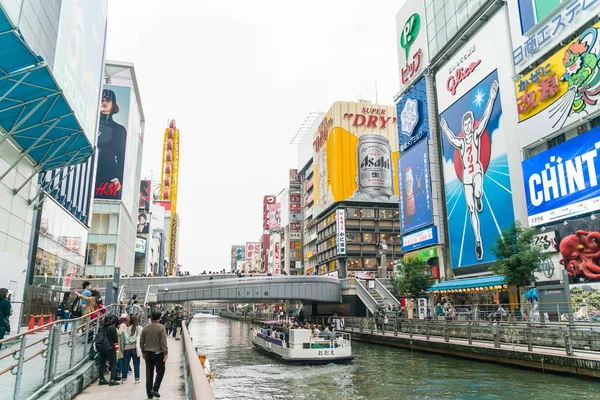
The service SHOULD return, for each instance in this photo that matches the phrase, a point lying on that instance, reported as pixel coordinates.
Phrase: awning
(34, 113)
(473, 283)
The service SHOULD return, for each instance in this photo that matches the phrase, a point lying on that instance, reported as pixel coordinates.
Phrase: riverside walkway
(172, 387)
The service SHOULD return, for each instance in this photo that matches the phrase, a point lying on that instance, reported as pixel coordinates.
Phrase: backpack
(101, 342)
(75, 308)
(60, 311)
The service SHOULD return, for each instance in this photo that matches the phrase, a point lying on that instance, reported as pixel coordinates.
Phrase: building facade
(113, 233)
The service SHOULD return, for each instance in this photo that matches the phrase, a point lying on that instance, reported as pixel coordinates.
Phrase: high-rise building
(112, 238)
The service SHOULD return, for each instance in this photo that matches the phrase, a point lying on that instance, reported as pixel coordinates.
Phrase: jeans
(66, 315)
(154, 361)
(127, 356)
(111, 356)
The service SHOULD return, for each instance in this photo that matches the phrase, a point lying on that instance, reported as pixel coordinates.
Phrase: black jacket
(112, 142)
(113, 335)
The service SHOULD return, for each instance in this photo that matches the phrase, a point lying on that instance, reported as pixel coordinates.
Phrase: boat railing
(340, 340)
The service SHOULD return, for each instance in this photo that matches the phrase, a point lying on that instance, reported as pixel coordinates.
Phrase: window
(351, 213)
(96, 254)
(370, 262)
(354, 263)
(556, 141)
(387, 214)
(369, 237)
(353, 237)
(100, 223)
(367, 213)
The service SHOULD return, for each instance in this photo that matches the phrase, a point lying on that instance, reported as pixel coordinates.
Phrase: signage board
(140, 245)
(251, 248)
(412, 114)
(537, 26)
(340, 216)
(416, 209)
(562, 182)
(419, 239)
(562, 90)
(413, 53)
(547, 241)
(474, 146)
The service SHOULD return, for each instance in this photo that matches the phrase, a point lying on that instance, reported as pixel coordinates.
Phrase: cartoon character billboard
(355, 149)
(476, 174)
(562, 90)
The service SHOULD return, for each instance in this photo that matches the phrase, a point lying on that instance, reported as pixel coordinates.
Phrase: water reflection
(377, 372)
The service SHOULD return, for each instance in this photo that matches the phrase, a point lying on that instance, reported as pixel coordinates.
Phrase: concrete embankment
(585, 364)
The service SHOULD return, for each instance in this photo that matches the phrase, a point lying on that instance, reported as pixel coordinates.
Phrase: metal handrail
(386, 294)
(366, 297)
(196, 385)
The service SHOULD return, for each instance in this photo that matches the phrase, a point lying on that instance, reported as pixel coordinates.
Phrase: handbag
(138, 349)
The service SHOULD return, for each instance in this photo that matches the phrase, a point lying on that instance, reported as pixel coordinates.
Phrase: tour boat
(298, 346)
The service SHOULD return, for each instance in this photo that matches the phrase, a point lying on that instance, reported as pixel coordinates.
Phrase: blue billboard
(563, 181)
(413, 117)
(414, 188)
(477, 181)
(419, 239)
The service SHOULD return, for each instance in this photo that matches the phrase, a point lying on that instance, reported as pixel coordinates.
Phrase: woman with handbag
(130, 339)
(5, 313)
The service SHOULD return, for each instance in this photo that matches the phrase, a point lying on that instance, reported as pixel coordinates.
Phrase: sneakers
(149, 395)
(103, 382)
(138, 380)
(479, 251)
(123, 381)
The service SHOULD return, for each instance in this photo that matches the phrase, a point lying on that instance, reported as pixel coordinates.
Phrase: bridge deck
(171, 388)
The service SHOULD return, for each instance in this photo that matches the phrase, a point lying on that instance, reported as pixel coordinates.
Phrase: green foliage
(412, 277)
(517, 257)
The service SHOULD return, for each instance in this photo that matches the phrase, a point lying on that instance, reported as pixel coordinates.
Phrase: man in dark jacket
(110, 330)
(177, 328)
(153, 343)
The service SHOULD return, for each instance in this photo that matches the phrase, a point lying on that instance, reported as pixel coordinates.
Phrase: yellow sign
(574, 68)
(355, 155)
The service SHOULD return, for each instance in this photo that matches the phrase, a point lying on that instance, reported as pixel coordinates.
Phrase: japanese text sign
(413, 54)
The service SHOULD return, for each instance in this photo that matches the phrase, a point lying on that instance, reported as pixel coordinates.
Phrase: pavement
(172, 386)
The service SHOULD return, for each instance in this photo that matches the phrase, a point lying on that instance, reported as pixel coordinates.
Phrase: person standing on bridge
(153, 344)
(177, 328)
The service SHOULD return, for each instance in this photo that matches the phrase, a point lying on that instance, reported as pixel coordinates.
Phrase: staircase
(381, 302)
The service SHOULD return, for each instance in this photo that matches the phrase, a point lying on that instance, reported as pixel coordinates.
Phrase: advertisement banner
(267, 201)
(294, 178)
(277, 257)
(423, 238)
(477, 178)
(295, 235)
(79, 58)
(251, 248)
(294, 198)
(547, 241)
(413, 116)
(140, 245)
(294, 226)
(563, 181)
(145, 192)
(143, 225)
(562, 90)
(413, 54)
(112, 141)
(274, 216)
(340, 216)
(416, 210)
(355, 148)
(294, 207)
(537, 26)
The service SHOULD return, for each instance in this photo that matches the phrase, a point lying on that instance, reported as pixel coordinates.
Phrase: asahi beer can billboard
(355, 149)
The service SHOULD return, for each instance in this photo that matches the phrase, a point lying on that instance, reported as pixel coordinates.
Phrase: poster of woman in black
(112, 140)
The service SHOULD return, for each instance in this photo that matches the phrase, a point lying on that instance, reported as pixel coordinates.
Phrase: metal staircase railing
(366, 297)
(386, 294)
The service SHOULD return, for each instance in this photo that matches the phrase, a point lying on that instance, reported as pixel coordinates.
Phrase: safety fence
(31, 362)
(580, 337)
(196, 384)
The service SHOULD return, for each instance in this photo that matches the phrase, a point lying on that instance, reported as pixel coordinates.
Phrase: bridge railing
(581, 337)
(31, 362)
(196, 384)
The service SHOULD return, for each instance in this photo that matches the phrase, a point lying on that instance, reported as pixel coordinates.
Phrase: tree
(517, 256)
(412, 277)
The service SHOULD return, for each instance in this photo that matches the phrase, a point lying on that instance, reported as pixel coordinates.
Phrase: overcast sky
(240, 77)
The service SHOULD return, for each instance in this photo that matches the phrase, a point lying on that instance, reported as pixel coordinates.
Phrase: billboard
(413, 54)
(340, 216)
(112, 141)
(477, 177)
(140, 245)
(560, 92)
(562, 182)
(355, 148)
(79, 58)
(537, 26)
(145, 193)
(412, 113)
(267, 201)
(274, 216)
(423, 238)
(143, 224)
(416, 209)
(251, 248)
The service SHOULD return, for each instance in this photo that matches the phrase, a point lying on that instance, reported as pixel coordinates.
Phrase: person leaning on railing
(90, 306)
(5, 313)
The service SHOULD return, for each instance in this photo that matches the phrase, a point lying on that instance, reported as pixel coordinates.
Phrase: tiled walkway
(171, 387)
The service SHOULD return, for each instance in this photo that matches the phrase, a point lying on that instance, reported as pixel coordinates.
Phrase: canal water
(377, 372)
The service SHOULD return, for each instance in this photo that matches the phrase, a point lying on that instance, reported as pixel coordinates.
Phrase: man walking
(153, 344)
(178, 324)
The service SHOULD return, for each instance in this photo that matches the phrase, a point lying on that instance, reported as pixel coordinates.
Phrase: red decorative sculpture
(581, 253)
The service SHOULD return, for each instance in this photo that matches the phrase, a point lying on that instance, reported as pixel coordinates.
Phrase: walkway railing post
(410, 328)
(72, 357)
(86, 336)
(395, 326)
(568, 344)
(371, 323)
(496, 333)
(48, 356)
(55, 350)
(529, 338)
(469, 333)
(17, 391)
(446, 332)
(427, 328)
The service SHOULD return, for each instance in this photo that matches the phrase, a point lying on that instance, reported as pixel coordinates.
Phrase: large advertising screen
(477, 177)
(562, 182)
(413, 116)
(79, 58)
(145, 193)
(416, 210)
(562, 90)
(112, 141)
(355, 149)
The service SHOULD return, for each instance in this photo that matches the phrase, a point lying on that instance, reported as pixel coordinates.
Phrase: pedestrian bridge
(228, 287)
